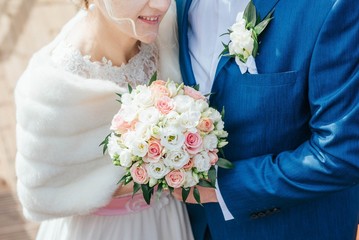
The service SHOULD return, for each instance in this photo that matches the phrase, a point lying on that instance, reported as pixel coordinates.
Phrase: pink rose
(154, 151)
(175, 178)
(164, 104)
(193, 142)
(205, 125)
(159, 89)
(158, 82)
(213, 156)
(189, 165)
(193, 93)
(119, 125)
(139, 174)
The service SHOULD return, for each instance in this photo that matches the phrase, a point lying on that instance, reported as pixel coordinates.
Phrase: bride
(65, 101)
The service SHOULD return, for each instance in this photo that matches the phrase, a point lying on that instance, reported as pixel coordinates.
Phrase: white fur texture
(61, 119)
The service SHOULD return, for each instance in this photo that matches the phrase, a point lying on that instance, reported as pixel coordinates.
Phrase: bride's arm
(61, 119)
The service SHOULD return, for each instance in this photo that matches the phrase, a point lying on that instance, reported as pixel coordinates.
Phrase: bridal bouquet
(166, 136)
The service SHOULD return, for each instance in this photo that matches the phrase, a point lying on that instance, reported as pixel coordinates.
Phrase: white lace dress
(166, 218)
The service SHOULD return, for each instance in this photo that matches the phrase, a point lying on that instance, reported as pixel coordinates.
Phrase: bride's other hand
(207, 195)
(123, 190)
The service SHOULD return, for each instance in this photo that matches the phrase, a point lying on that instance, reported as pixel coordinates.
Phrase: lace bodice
(137, 71)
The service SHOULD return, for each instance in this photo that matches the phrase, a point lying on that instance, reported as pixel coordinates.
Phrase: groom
(293, 127)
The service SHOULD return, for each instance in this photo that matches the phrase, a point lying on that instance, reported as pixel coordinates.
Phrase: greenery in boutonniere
(243, 34)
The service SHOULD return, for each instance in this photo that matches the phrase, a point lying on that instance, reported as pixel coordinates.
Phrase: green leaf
(136, 188)
(196, 195)
(171, 189)
(221, 152)
(224, 163)
(262, 25)
(105, 143)
(255, 48)
(212, 175)
(129, 88)
(185, 193)
(225, 50)
(147, 193)
(153, 78)
(250, 15)
(226, 33)
(223, 112)
(122, 180)
(207, 95)
(196, 87)
(159, 190)
(204, 183)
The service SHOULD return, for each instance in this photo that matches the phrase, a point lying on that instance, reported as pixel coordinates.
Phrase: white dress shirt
(208, 20)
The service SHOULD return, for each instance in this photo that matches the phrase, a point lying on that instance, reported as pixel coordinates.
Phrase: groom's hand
(207, 195)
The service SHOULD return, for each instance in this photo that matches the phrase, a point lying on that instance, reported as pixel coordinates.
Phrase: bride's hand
(123, 190)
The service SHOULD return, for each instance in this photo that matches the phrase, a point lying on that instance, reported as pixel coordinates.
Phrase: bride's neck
(98, 37)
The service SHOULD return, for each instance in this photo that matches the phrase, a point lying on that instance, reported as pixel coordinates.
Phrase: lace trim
(137, 71)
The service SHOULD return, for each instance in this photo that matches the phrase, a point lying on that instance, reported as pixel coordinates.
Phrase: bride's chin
(149, 39)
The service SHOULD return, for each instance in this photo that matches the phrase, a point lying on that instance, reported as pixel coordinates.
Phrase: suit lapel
(185, 59)
(263, 8)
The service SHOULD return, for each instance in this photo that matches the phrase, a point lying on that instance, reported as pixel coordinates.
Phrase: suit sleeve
(329, 160)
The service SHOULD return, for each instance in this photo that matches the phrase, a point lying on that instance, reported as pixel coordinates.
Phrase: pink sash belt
(123, 205)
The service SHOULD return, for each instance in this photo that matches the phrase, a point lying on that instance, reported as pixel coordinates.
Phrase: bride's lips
(150, 19)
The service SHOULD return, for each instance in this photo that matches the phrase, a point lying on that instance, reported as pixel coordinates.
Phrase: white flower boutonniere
(243, 35)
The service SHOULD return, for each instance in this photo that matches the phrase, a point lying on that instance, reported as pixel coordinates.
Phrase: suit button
(261, 214)
(274, 210)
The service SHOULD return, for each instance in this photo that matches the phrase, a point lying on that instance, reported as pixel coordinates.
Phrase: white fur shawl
(61, 119)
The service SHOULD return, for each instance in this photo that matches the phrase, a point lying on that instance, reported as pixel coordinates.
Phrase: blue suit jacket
(293, 128)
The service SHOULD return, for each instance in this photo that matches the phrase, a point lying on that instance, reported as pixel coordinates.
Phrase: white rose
(172, 138)
(241, 39)
(220, 133)
(210, 142)
(157, 170)
(128, 138)
(149, 115)
(176, 159)
(189, 120)
(143, 131)
(139, 148)
(212, 114)
(155, 131)
(113, 146)
(202, 162)
(220, 125)
(191, 179)
(126, 99)
(183, 103)
(171, 86)
(129, 112)
(201, 105)
(143, 96)
(239, 16)
(126, 158)
(172, 118)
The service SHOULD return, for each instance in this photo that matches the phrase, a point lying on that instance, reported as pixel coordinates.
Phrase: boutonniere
(243, 35)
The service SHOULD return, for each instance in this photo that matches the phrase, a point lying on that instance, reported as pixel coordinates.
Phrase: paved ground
(43, 19)
(25, 26)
